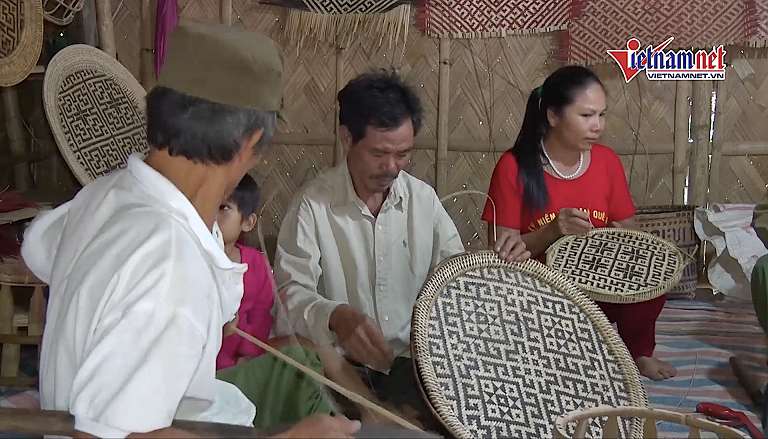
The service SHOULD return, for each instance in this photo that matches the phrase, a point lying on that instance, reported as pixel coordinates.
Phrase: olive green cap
(224, 64)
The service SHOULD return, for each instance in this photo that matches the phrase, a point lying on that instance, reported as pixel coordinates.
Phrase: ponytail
(529, 154)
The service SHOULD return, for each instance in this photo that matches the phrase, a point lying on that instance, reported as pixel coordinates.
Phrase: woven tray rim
(447, 271)
(69, 60)
(15, 67)
(602, 295)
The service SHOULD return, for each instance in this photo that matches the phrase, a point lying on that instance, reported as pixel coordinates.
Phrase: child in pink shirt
(281, 394)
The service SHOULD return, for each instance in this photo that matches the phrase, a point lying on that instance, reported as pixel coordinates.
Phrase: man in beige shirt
(359, 241)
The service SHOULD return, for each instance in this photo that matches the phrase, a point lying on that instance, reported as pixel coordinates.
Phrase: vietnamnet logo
(660, 64)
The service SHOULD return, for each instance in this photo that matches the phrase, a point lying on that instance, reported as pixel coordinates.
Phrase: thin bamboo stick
(717, 142)
(106, 27)
(15, 132)
(338, 150)
(443, 97)
(701, 119)
(680, 160)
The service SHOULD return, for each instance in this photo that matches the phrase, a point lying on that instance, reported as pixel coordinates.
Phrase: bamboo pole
(146, 59)
(106, 27)
(338, 149)
(680, 159)
(15, 132)
(717, 143)
(701, 119)
(226, 12)
(443, 97)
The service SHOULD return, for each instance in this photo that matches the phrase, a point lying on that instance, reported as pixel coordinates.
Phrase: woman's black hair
(559, 90)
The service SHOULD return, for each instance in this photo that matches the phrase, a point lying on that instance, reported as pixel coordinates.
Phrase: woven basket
(95, 108)
(583, 418)
(502, 348)
(61, 12)
(675, 223)
(618, 265)
(21, 39)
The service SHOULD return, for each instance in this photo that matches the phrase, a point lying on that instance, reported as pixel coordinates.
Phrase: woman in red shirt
(556, 181)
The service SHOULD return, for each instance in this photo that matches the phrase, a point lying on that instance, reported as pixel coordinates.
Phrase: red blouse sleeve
(620, 204)
(504, 190)
(258, 316)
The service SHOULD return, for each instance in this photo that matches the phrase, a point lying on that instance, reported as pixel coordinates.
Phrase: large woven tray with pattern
(21, 39)
(95, 108)
(618, 265)
(501, 349)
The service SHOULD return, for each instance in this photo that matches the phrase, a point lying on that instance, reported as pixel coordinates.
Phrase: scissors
(733, 418)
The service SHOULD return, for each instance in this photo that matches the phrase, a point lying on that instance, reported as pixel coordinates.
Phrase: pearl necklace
(560, 174)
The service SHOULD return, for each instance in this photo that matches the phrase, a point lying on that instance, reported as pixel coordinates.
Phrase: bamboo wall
(485, 85)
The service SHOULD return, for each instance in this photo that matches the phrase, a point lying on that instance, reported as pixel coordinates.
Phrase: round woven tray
(95, 108)
(501, 349)
(618, 265)
(21, 39)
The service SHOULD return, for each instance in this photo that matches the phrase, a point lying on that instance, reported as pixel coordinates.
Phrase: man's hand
(229, 328)
(322, 427)
(361, 338)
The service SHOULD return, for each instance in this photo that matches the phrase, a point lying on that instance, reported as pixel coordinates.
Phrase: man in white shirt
(140, 285)
(359, 241)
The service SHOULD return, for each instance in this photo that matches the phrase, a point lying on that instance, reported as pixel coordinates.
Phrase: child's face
(230, 222)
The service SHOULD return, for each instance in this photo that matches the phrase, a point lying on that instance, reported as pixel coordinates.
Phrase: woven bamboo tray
(618, 265)
(501, 349)
(21, 39)
(675, 223)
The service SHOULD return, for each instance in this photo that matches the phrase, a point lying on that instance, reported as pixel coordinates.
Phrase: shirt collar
(167, 193)
(344, 192)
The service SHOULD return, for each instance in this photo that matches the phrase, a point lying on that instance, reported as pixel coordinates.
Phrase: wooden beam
(106, 27)
(338, 149)
(701, 120)
(680, 159)
(717, 143)
(14, 128)
(443, 97)
(226, 12)
(146, 55)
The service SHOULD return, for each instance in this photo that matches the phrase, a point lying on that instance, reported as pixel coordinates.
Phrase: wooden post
(443, 97)
(338, 150)
(106, 27)
(226, 12)
(15, 131)
(146, 55)
(701, 120)
(680, 160)
(717, 143)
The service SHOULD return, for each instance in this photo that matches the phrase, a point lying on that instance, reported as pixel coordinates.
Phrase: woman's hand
(572, 221)
(510, 246)
(322, 426)
(229, 328)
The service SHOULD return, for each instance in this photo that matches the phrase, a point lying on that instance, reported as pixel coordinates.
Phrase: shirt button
(386, 318)
(381, 228)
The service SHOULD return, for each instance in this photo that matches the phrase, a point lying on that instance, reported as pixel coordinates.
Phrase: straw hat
(21, 39)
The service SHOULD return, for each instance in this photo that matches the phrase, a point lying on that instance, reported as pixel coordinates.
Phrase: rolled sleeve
(297, 274)
(115, 392)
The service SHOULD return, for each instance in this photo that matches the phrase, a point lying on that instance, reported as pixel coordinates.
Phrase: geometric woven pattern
(350, 6)
(21, 39)
(616, 265)
(11, 23)
(484, 18)
(95, 110)
(503, 349)
(608, 24)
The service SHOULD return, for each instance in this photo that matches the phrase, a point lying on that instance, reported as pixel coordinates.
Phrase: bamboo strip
(717, 142)
(338, 150)
(106, 27)
(443, 97)
(701, 120)
(354, 397)
(146, 58)
(226, 12)
(680, 160)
